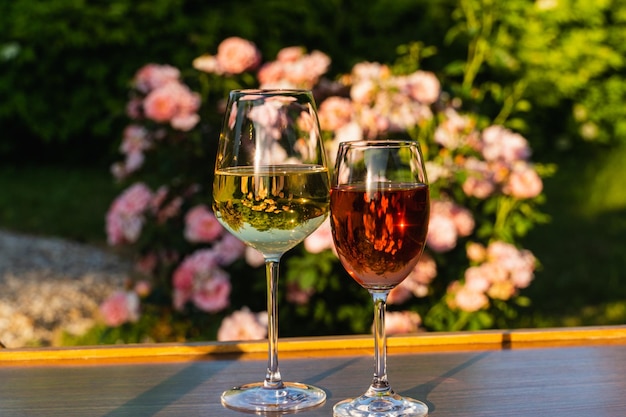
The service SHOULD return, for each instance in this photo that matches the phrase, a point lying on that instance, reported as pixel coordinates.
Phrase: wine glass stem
(380, 382)
(272, 377)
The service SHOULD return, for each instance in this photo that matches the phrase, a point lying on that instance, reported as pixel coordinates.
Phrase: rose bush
(205, 284)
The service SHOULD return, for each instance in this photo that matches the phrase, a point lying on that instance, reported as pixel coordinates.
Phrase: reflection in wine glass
(271, 190)
(379, 217)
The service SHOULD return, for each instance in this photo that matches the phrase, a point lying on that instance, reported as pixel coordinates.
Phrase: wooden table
(554, 372)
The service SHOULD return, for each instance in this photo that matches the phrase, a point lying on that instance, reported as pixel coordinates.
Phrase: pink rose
(467, 299)
(174, 103)
(402, 322)
(418, 280)
(125, 217)
(236, 55)
(501, 143)
(399, 294)
(523, 182)
(201, 225)
(290, 54)
(211, 293)
(423, 86)
(320, 240)
(254, 258)
(271, 73)
(363, 92)
(243, 325)
(478, 187)
(119, 308)
(370, 70)
(199, 279)
(228, 249)
(153, 76)
(334, 113)
(442, 234)
(463, 220)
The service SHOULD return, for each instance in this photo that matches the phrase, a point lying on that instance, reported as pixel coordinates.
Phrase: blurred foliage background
(555, 69)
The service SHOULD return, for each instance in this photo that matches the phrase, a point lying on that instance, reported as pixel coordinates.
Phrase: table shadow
(421, 392)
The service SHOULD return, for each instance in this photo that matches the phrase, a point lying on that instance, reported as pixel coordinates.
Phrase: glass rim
(271, 91)
(386, 143)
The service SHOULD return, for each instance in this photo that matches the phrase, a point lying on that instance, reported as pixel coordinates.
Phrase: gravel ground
(50, 285)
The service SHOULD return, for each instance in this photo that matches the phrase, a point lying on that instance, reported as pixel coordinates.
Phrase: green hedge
(558, 66)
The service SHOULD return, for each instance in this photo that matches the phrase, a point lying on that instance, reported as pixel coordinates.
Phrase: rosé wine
(380, 232)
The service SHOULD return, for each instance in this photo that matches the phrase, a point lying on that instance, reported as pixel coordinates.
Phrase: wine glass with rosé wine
(271, 189)
(379, 212)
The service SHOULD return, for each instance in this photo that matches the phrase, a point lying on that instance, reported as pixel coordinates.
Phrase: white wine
(272, 208)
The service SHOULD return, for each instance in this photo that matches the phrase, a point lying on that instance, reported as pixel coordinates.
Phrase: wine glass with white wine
(271, 190)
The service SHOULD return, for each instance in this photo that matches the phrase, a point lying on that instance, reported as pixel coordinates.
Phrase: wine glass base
(256, 398)
(388, 404)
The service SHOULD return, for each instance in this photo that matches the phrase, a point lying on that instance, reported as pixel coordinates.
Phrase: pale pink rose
(298, 295)
(320, 240)
(423, 86)
(520, 264)
(463, 220)
(350, 132)
(478, 187)
(125, 218)
(363, 92)
(418, 280)
(206, 63)
(370, 70)
(494, 272)
(442, 234)
(243, 325)
(254, 258)
(290, 54)
(334, 113)
(185, 121)
(524, 182)
(402, 322)
(522, 277)
(271, 73)
(476, 280)
(236, 55)
(201, 225)
(470, 300)
(211, 292)
(476, 252)
(228, 249)
(153, 76)
(119, 308)
(501, 143)
(456, 130)
(315, 64)
(399, 294)
(444, 216)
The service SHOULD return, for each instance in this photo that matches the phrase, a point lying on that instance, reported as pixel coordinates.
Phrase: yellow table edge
(319, 345)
